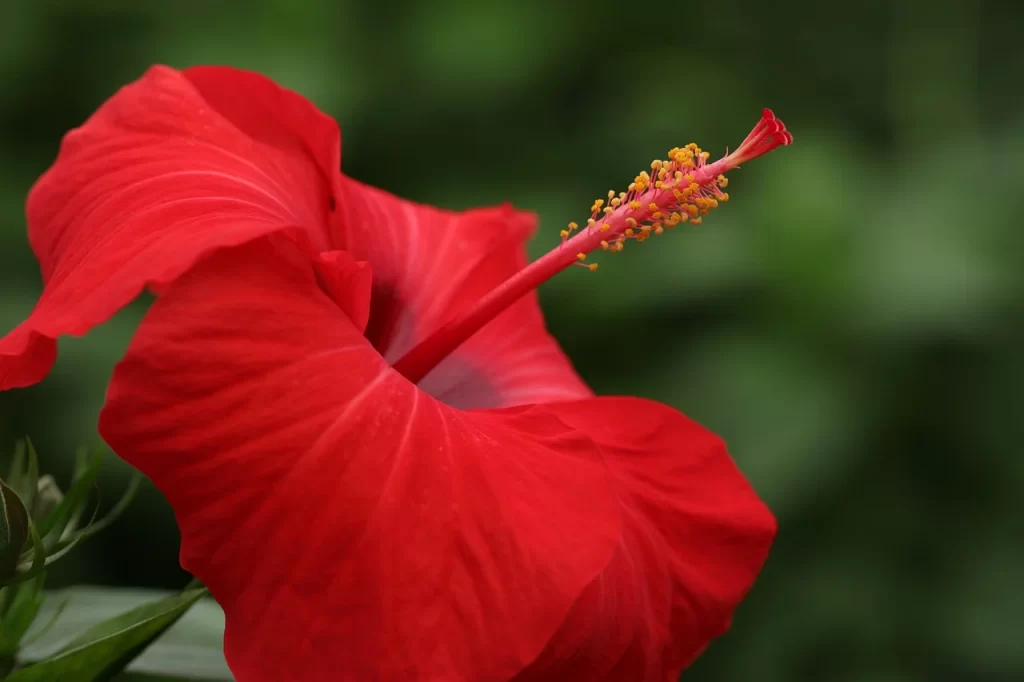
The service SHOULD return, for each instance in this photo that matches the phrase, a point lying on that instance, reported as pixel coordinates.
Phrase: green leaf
(94, 526)
(65, 514)
(107, 648)
(18, 618)
(54, 617)
(39, 560)
(14, 531)
(31, 482)
(190, 650)
(23, 476)
(17, 470)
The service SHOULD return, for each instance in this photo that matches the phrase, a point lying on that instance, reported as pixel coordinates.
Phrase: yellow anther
(592, 267)
(648, 208)
(641, 182)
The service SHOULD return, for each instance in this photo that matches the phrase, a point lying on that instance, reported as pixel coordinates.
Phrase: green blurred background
(851, 321)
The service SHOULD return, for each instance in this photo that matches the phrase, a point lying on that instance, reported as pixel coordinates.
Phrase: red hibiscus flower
(382, 465)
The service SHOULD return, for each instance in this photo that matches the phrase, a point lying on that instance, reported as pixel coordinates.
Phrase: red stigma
(769, 133)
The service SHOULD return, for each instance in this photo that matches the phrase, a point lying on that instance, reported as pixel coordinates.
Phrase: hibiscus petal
(351, 526)
(696, 535)
(429, 265)
(161, 175)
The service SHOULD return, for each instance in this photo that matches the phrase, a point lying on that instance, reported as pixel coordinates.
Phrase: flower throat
(680, 189)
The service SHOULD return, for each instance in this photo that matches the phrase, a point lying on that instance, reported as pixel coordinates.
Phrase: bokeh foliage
(851, 321)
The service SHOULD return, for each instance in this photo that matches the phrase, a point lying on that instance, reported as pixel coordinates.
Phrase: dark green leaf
(70, 508)
(18, 618)
(96, 526)
(34, 561)
(23, 476)
(16, 472)
(192, 649)
(14, 531)
(104, 650)
(42, 632)
(30, 484)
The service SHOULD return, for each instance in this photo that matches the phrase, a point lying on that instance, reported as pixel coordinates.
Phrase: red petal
(354, 528)
(429, 265)
(171, 168)
(348, 282)
(351, 526)
(696, 535)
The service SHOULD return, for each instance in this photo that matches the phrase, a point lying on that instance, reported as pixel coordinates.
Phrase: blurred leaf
(776, 407)
(14, 530)
(19, 616)
(16, 471)
(107, 648)
(24, 473)
(115, 512)
(191, 649)
(983, 619)
(33, 561)
(69, 510)
(48, 625)
(474, 53)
